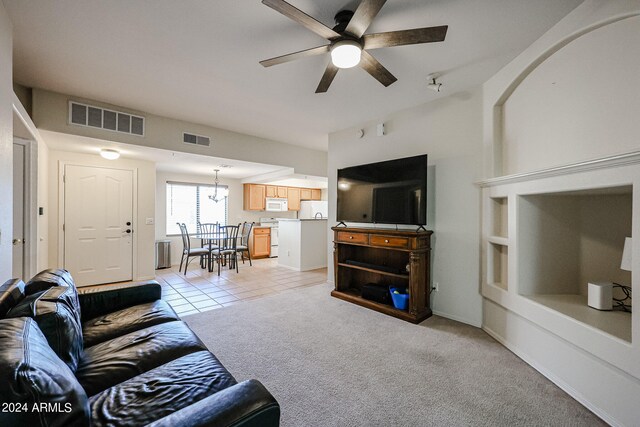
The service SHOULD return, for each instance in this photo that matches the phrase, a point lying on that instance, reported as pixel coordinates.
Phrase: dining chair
(187, 250)
(211, 229)
(243, 245)
(228, 246)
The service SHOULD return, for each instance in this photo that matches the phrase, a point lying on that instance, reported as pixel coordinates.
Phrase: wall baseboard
(606, 417)
(458, 318)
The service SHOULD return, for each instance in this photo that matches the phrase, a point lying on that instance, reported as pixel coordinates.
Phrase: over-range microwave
(276, 205)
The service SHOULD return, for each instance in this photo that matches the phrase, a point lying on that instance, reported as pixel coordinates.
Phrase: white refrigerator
(313, 209)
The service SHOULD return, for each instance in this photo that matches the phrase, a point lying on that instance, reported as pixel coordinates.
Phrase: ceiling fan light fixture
(346, 54)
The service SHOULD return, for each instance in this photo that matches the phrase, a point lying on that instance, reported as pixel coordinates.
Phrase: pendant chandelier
(214, 197)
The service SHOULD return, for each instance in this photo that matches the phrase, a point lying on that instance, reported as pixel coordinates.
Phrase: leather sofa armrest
(99, 300)
(247, 404)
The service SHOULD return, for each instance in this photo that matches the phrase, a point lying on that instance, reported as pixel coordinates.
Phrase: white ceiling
(186, 163)
(197, 60)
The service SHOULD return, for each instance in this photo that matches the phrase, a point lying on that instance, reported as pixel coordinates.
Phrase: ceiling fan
(349, 45)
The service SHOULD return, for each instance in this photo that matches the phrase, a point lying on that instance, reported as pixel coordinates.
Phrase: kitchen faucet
(316, 215)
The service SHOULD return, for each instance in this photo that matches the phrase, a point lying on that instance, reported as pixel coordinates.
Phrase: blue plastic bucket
(401, 300)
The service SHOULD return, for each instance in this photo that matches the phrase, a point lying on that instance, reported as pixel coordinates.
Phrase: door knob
(128, 230)
(128, 222)
(16, 242)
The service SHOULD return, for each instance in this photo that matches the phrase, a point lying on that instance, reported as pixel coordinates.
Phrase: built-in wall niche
(498, 265)
(498, 243)
(499, 210)
(568, 239)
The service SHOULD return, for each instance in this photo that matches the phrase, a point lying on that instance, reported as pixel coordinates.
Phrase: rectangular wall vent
(96, 117)
(190, 138)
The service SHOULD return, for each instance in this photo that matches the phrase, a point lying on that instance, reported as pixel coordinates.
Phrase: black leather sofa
(116, 355)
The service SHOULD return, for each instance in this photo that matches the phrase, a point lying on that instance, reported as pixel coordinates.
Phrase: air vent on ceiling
(96, 117)
(190, 138)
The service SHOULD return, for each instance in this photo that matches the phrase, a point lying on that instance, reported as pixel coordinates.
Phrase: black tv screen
(390, 192)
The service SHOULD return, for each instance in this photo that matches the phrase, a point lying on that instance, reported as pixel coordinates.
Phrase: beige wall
(449, 130)
(581, 103)
(235, 215)
(43, 202)
(50, 112)
(572, 96)
(6, 146)
(144, 235)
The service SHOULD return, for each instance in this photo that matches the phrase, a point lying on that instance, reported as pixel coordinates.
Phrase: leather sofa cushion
(54, 313)
(160, 391)
(127, 320)
(54, 277)
(111, 362)
(31, 373)
(11, 293)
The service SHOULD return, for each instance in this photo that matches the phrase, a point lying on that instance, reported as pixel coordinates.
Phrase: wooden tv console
(397, 258)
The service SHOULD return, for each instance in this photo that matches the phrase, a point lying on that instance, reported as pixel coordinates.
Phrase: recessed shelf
(499, 210)
(498, 240)
(497, 273)
(616, 323)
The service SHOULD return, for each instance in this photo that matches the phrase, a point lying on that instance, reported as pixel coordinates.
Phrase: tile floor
(200, 290)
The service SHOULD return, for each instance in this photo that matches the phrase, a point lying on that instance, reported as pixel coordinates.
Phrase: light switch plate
(149, 221)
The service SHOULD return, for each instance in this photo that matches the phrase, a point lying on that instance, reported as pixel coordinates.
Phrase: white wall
(145, 195)
(449, 130)
(50, 112)
(573, 95)
(6, 145)
(581, 103)
(43, 202)
(236, 213)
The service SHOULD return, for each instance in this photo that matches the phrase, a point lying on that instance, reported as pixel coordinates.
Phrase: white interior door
(98, 231)
(18, 210)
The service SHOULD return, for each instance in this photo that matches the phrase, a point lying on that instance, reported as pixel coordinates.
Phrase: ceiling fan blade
(329, 73)
(404, 37)
(363, 16)
(293, 56)
(302, 18)
(373, 67)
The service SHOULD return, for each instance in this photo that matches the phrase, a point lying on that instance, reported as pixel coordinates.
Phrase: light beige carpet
(332, 363)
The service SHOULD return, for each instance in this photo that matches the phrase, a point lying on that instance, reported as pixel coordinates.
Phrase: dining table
(213, 240)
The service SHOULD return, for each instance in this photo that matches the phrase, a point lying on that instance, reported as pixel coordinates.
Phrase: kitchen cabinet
(254, 197)
(293, 198)
(305, 194)
(276, 191)
(260, 242)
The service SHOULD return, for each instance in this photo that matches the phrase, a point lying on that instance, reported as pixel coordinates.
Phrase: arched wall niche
(572, 102)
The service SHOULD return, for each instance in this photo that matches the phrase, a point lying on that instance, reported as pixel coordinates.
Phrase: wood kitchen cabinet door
(305, 194)
(293, 198)
(316, 194)
(260, 243)
(254, 197)
(272, 191)
(282, 192)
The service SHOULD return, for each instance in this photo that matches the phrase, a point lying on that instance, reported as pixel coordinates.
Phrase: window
(190, 203)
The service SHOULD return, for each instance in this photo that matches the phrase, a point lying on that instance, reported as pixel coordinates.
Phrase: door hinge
(62, 227)
(64, 178)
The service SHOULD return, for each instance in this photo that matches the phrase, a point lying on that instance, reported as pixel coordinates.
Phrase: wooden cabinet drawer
(390, 241)
(345, 236)
(261, 231)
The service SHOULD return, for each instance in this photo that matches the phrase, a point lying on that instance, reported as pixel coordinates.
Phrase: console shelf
(373, 270)
(364, 256)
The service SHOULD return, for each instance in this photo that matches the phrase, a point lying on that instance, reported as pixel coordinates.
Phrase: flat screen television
(390, 192)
